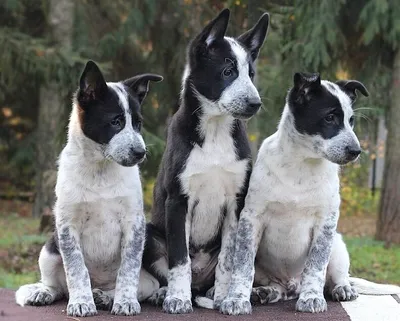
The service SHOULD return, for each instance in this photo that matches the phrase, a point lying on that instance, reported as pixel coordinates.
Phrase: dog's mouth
(243, 115)
(131, 161)
(344, 161)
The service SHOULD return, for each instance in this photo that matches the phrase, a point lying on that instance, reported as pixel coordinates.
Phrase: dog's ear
(305, 84)
(350, 87)
(140, 84)
(214, 31)
(92, 85)
(254, 38)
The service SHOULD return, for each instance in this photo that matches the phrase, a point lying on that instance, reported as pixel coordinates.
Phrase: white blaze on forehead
(122, 95)
(241, 56)
(344, 99)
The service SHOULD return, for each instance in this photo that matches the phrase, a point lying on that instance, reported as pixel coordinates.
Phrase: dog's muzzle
(252, 107)
(136, 156)
(352, 153)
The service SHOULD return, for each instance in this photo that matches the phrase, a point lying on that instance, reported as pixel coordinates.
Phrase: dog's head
(221, 69)
(109, 113)
(323, 116)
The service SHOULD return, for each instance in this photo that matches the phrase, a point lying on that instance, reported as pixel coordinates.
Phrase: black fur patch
(316, 111)
(52, 244)
(101, 113)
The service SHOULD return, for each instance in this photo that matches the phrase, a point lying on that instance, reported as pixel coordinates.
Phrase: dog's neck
(83, 148)
(292, 143)
(202, 115)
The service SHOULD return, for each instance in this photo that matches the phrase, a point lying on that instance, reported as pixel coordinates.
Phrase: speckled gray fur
(287, 246)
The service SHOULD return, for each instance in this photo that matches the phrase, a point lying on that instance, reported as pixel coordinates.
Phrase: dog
(99, 219)
(287, 244)
(204, 173)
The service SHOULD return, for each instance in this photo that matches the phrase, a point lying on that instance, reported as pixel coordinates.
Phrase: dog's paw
(126, 308)
(81, 309)
(177, 306)
(34, 294)
(233, 306)
(311, 303)
(158, 297)
(102, 300)
(344, 293)
(40, 297)
(264, 294)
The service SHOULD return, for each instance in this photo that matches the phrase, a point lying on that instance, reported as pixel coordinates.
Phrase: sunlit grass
(372, 261)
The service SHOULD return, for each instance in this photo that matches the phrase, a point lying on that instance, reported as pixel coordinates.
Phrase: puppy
(205, 169)
(287, 242)
(100, 225)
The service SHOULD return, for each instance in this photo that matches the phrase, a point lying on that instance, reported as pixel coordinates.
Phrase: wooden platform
(365, 308)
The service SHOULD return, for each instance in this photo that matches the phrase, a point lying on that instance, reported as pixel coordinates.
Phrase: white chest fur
(297, 195)
(211, 179)
(98, 200)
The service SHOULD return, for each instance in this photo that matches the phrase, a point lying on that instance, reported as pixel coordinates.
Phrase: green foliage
(380, 18)
(357, 198)
(316, 34)
(372, 261)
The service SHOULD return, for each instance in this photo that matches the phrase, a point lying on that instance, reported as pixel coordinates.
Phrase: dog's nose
(138, 153)
(254, 103)
(353, 151)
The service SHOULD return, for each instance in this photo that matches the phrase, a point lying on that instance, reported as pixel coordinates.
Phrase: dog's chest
(99, 204)
(286, 241)
(100, 238)
(211, 179)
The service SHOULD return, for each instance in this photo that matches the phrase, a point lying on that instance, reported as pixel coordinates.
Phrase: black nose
(353, 151)
(254, 103)
(138, 153)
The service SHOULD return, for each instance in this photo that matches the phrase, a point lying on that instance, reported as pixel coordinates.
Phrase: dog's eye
(228, 72)
(330, 118)
(251, 74)
(117, 122)
(351, 120)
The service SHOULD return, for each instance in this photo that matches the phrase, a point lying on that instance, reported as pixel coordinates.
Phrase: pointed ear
(350, 87)
(92, 85)
(305, 84)
(254, 38)
(140, 84)
(214, 31)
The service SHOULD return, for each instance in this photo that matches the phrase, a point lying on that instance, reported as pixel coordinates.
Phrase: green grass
(20, 244)
(371, 260)
(12, 280)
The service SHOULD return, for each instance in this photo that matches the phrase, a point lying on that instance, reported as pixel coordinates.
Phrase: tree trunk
(388, 226)
(51, 114)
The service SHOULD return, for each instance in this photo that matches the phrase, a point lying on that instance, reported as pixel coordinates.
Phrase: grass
(20, 245)
(371, 260)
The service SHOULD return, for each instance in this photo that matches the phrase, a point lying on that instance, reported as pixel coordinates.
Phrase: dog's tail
(370, 288)
(204, 302)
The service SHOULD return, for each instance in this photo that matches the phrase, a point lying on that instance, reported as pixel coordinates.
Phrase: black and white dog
(206, 166)
(287, 242)
(100, 225)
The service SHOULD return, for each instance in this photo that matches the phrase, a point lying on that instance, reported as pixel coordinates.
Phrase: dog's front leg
(133, 237)
(311, 297)
(224, 267)
(247, 240)
(178, 297)
(81, 303)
